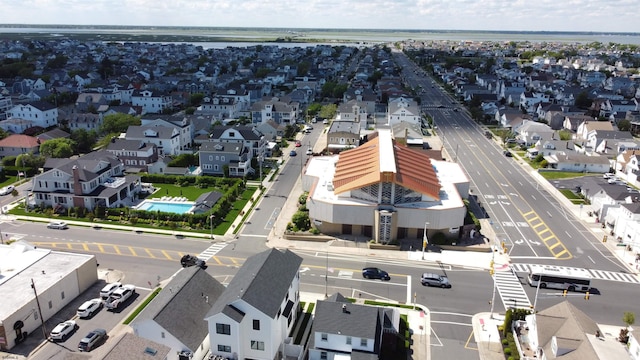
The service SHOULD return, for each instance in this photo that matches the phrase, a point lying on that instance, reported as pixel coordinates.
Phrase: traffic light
(564, 292)
(586, 295)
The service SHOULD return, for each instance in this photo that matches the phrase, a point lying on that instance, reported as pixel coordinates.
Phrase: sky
(513, 15)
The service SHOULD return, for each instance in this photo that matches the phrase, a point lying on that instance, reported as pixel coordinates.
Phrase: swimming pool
(166, 206)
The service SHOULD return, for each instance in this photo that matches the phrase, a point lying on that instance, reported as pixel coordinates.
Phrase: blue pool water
(165, 206)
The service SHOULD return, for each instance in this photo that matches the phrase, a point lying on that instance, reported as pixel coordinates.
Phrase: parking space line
(150, 254)
(166, 254)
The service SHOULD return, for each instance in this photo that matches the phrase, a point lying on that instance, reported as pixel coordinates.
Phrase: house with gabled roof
(167, 139)
(18, 144)
(94, 179)
(215, 155)
(342, 135)
(86, 121)
(403, 110)
(383, 190)
(587, 129)
(136, 155)
(278, 111)
(344, 329)
(132, 347)
(257, 311)
(530, 132)
(577, 162)
(153, 102)
(175, 317)
(564, 332)
(39, 113)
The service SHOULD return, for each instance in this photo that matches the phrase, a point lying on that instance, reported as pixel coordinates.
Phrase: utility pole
(44, 330)
(326, 277)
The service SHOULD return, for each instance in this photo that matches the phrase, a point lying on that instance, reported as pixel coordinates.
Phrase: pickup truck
(119, 296)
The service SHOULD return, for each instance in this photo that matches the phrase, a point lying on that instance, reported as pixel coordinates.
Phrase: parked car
(119, 296)
(309, 151)
(325, 121)
(92, 340)
(190, 260)
(7, 190)
(298, 143)
(375, 273)
(89, 308)
(63, 330)
(59, 225)
(507, 153)
(108, 289)
(430, 279)
(293, 153)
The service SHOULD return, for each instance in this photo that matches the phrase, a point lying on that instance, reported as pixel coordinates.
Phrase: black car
(375, 273)
(508, 153)
(190, 260)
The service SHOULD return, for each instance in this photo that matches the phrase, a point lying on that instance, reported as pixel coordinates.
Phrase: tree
(184, 160)
(629, 318)
(196, 99)
(583, 101)
(58, 148)
(624, 125)
(85, 140)
(118, 123)
(328, 111)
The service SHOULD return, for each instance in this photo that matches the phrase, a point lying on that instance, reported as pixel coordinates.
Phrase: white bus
(563, 279)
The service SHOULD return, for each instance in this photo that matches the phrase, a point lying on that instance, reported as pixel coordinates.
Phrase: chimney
(77, 187)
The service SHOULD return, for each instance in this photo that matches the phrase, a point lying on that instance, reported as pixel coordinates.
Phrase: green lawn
(575, 198)
(559, 175)
(190, 192)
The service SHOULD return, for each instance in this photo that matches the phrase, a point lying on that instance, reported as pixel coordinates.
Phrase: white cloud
(539, 15)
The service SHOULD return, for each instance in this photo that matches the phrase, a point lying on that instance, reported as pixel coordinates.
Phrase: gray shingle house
(175, 317)
(215, 155)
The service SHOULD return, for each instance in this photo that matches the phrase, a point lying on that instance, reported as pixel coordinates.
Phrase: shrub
(505, 342)
(507, 351)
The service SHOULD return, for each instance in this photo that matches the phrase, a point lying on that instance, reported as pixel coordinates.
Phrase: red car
(298, 143)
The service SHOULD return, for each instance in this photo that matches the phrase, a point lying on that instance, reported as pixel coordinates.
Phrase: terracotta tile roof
(19, 141)
(360, 167)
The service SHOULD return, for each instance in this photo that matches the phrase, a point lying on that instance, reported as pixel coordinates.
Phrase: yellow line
(165, 254)
(466, 345)
(554, 245)
(100, 248)
(117, 249)
(529, 213)
(85, 246)
(133, 252)
(217, 260)
(559, 255)
(533, 226)
(181, 254)
(550, 237)
(544, 231)
(150, 254)
(69, 246)
(235, 261)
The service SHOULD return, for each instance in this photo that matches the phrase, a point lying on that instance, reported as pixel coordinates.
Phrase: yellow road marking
(550, 237)
(559, 255)
(466, 345)
(132, 250)
(117, 249)
(217, 260)
(165, 254)
(100, 248)
(235, 261)
(150, 254)
(533, 226)
(554, 245)
(85, 246)
(69, 246)
(546, 230)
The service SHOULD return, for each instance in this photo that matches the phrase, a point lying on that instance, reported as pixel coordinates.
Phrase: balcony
(114, 182)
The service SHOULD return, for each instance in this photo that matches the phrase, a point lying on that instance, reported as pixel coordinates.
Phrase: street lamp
(211, 218)
(425, 241)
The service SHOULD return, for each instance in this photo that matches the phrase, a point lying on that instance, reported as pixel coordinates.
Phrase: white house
(403, 110)
(255, 314)
(151, 102)
(39, 113)
(167, 139)
(175, 317)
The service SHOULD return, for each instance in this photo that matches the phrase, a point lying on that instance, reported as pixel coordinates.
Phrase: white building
(39, 113)
(57, 278)
(254, 316)
(403, 110)
(385, 191)
(151, 102)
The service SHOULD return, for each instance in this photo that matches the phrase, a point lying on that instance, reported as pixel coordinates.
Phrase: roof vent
(344, 308)
(150, 351)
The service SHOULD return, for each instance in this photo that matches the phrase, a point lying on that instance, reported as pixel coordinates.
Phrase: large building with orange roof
(385, 191)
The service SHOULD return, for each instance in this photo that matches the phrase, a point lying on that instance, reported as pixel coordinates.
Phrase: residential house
(624, 221)
(16, 126)
(607, 197)
(151, 102)
(90, 101)
(353, 111)
(278, 111)
(135, 154)
(255, 314)
(55, 133)
(572, 122)
(530, 132)
(95, 179)
(271, 130)
(132, 347)
(214, 156)
(410, 134)
(588, 129)
(342, 329)
(342, 135)
(628, 165)
(175, 317)
(222, 107)
(249, 136)
(167, 139)
(511, 117)
(39, 113)
(365, 96)
(5, 105)
(575, 162)
(403, 110)
(17, 144)
(551, 147)
(529, 101)
(184, 125)
(86, 121)
(564, 332)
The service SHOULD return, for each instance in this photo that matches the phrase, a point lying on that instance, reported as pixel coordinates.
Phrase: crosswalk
(212, 250)
(510, 290)
(595, 274)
